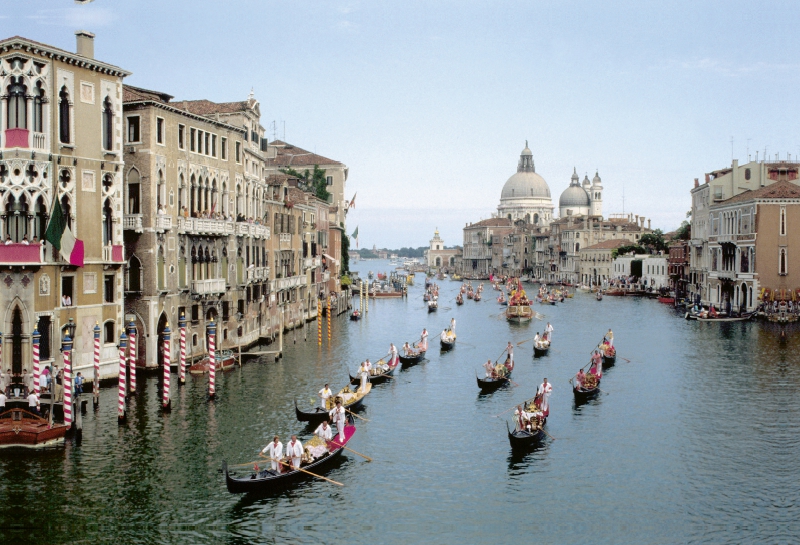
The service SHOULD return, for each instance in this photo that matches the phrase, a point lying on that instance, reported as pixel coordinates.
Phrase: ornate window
(17, 107)
(38, 108)
(782, 263)
(108, 223)
(64, 116)
(783, 221)
(108, 125)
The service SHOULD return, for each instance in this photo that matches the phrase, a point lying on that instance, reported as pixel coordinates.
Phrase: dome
(525, 183)
(574, 195)
(596, 179)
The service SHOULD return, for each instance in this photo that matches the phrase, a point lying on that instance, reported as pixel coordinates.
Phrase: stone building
(596, 262)
(437, 256)
(526, 195)
(60, 144)
(582, 200)
(479, 239)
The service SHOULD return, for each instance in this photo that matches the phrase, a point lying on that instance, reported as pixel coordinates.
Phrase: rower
(364, 374)
(393, 354)
(510, 350)
(536, 339)
(580, 378)
(545, 388)
(423, 340)
(453, 325)
(597, 363)
(294, 450)
(337, 415)
(324, 394)
(323, 431)
(489, 368)
(549, 331)
(275, 451)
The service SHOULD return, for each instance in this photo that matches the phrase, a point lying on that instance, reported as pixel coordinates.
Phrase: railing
(132, 222)
(39, 141)
(257, 273)
(291, 282)
(252, 230)
(205, 226)
(208, 287)
(16, 138)
(286, 237)
(163, 222)
(21, 253)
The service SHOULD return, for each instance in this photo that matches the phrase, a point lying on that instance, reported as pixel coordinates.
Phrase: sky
(429, 103)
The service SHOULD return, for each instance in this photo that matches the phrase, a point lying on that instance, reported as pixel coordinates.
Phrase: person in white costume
(275, 452)
(324, 394)
(338, 416)
(294, 450)
(323, 431)
(545, 388)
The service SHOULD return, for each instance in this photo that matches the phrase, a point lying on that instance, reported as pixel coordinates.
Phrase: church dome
(574, 195)
(525, 183)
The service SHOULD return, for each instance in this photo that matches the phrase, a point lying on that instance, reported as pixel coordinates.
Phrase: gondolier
(489, 368)
(548, 331)
(423, 340)
(510, 350)
(324, 394)
(453, 325)
(393, 356)
(580, 378)
(545, 389)
(275, 452)
(363, 372)
(294, 450)
(610, 338)
(337, 415)
(323, 431)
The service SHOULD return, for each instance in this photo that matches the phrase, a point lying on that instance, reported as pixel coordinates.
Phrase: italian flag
(62, 239)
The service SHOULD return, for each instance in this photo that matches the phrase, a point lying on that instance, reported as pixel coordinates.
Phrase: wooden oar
(626, 359)
(548, 435)
(248, 464)
(306, 471)
(514, 407)
(354, 414)
(354, 452)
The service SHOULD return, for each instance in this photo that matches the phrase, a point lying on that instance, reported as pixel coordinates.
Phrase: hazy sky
(430, 103)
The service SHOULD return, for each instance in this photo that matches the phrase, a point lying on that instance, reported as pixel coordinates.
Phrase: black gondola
(584, 394)
(315, 417)
(524, 439)
(608, 361)
(376, 379)
(539, 352)
(490, 384)
(408, 361)
(355, 316)
(447, 345)
(433, 306)
(267, 480)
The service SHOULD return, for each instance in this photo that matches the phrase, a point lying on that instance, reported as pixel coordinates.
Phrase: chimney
(648, 224)
(637, 218)
(85, 43)
(696, 182)
(641, 222)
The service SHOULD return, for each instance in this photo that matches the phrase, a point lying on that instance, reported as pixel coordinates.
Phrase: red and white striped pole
(132, 356)
(182, 326)
(212, 358)
(165, 402)
(66, 346)
(123, 360)
(36, 370)
(96, 378)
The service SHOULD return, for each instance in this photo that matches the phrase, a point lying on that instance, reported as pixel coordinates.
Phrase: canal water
(694, 440)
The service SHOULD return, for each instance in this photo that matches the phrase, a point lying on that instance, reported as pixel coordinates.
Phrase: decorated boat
(266, 480)
(589, 388)
(540, 348)
(609, 355)
(24, 429)
(351, 400)
(433, 305)
(355, 316)
(459, 299)
(524, 439)
(448, 340)
(412, 359)
(225, 362)
(378, 374)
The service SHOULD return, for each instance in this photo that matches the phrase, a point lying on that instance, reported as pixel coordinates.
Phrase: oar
(548, 435)
(626, 359)
(306, 471)
(354, 452)
(248, 464)
(525, 341)
(514, 407)
(354, 414)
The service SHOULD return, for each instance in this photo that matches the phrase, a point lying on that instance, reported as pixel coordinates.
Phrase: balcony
(113, 253)
(20, 254)
(252, 230)
(163, 223)
(312, 262)
(291, 282)
(132, 222)
(204, 226)
(212, 286)
(257, 274)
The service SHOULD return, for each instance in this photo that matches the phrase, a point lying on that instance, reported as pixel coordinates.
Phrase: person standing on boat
(294, 450)
(33, 403)
(610, 338)
(275, 452)
(580, 378)
(324, 394)
(453, 325)
(393, 354)
(597, 364)
(338, 417)
(3, 399)
(323, 431)
(423, 340)
(489, 368)
(363, 372)
(545, 389)
(548, 331)
(510, 350)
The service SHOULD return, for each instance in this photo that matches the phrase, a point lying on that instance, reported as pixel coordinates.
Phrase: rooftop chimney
(696, 182)
(637, 218)
(85, 43)
(648, 224)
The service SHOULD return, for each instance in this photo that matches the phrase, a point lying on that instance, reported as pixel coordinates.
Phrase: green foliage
(654, 241)
(346, 281)
(345, 255)
(684, 232)
(315, 181)
(622, 250)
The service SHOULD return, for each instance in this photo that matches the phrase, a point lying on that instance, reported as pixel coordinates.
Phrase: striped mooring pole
(182, 326)
(132, 356)
(96, 377)
(212, 357)
(67, 380)
(123, 363)
(165, 402)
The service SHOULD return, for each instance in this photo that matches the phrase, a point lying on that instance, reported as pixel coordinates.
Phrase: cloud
(75, 17)
(346, 26)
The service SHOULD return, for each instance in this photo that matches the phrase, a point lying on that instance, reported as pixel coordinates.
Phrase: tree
(684, 232)
(654, 241)
(315, 181)
(622, 250)
(345, 253)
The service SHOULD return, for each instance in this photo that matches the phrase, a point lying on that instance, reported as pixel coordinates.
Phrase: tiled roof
(206, 107)
(15, 42)
(492, 222)
(277, 179)
(609, 244)
(778, 190)
(292, 156)
(136, 94)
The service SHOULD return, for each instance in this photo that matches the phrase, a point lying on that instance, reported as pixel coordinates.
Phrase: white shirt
(324, 433)
(325, 393)
(294, 450)
(274, 451)
(33, 401)
(2, 399)
(545, 389)
(337, 415)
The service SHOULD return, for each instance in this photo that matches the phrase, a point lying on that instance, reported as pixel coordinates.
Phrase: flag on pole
(62, 239)
(355, 236)
(353, 202)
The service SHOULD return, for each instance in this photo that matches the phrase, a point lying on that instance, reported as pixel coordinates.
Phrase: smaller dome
(596, 179)
(574, 174)
(574, 195)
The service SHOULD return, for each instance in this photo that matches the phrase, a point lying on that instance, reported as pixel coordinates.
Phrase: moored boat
(24, 429)
(225, 362)
(267, 480)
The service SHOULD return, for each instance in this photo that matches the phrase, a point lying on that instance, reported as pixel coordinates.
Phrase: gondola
(408, 361)
(539, 352)
(459, 300)
(489, 384)
(584, 394)
(447, 344)
(267, 480)
(433, 306)
(315, 417)
(355, 316)
(608, 361)
(524, 439)
(379, 378)
(599, 296)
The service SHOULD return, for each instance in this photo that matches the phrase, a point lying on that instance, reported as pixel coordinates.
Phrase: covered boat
(22, 428)
(350, 400)
(225, 361)
(519, 313)
(267, 480)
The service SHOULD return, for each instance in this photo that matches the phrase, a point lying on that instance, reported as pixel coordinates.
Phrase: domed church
(526, 196)
(581, 200)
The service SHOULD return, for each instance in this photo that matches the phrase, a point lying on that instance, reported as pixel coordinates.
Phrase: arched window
(134, 192)
(161, 190)
(17, 108)
(109, 336)
(134, 274)
(17, 218)
(108, 223)
(67, 210)
(38, 108)
(162, 266)
(193, 206)
(108, 125)
(536, 219)
(40, 218)
(63, 116)
(181, 194)
(782, 268)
